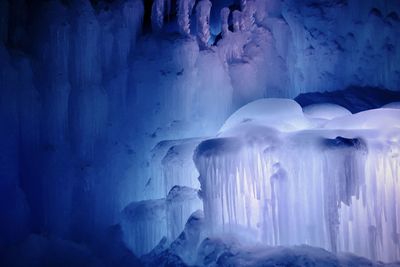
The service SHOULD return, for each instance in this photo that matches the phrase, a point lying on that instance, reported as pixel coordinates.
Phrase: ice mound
(326, 111)
(282, 114)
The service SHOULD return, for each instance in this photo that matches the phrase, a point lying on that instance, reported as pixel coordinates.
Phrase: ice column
(203, 22)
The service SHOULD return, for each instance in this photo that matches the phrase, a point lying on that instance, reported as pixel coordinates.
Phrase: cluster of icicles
(281, 178)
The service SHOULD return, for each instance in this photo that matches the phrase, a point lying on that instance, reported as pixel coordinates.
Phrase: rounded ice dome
(326, 111)
(284, 115)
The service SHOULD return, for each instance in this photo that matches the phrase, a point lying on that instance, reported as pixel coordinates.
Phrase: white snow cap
(327, 111)
(282, 114)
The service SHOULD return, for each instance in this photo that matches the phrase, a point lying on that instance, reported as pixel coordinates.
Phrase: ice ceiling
(164, 133)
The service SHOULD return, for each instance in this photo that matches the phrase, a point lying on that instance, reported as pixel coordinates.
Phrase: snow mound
(325, 111)
(370, 119)
(284, 115)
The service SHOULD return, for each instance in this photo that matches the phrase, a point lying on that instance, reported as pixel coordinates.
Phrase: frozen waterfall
(280, 177)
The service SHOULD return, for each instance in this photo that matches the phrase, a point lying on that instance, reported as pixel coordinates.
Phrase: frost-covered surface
(333, 186)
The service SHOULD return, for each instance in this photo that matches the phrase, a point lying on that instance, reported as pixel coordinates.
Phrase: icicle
(236, 18)
(203, 22)
(157, 15)
(243, 4)
(184, 11)
(248, 19)
(224, 21)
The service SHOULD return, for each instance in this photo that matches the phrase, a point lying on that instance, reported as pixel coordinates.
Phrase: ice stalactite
(224, 21)
(203, 22)
(184, 12)
(243, 4)
(236, 20)
(146, 223)
(157, 15)
(178, 166)
(248, 16)
(334, 187)
(186, 244)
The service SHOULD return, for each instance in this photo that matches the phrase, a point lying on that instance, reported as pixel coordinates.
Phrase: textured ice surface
(334, 187)
(181, 203)
(84, 99)
(146, 223)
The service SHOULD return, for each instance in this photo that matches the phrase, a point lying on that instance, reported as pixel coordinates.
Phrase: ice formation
(157, 14)
(103, 103)
(334, 186)
(145, 223)
(184, 11)
(224, 21)
(236, 20)
(203, 22)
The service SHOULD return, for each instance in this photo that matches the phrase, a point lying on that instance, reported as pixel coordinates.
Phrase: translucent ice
(280, 181)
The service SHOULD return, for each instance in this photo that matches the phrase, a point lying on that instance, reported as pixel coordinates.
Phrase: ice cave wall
(86, 99)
